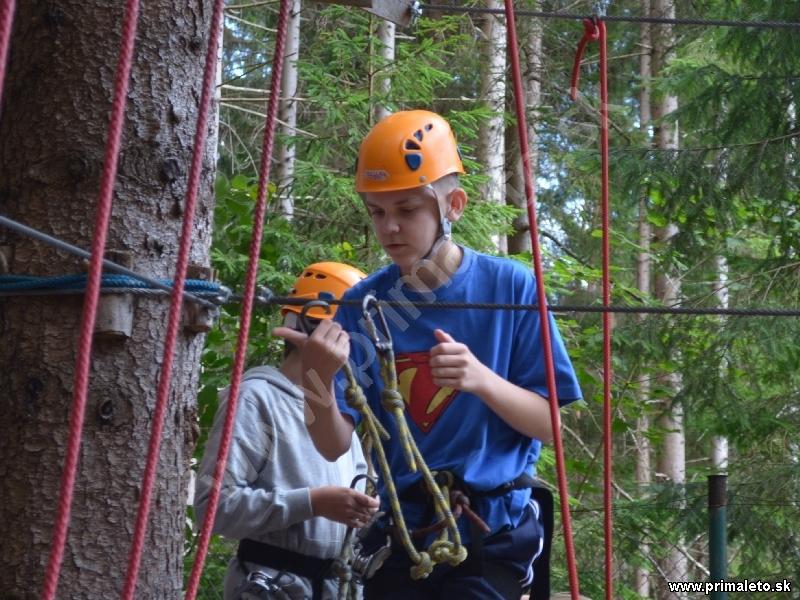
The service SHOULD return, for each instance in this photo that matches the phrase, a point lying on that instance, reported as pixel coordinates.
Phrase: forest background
(704, 196)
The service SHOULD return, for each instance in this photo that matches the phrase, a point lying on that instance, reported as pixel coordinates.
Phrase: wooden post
(6, 256)
(198, 318)
(115, 311)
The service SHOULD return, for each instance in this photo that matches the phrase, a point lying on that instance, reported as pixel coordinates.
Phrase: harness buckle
(262, 586)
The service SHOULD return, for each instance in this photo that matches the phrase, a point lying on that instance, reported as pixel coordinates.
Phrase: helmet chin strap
(445, 227)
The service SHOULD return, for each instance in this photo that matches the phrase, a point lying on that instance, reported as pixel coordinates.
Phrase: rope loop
(591, 33)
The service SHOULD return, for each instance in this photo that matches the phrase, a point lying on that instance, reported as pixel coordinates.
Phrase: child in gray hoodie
(286, 504)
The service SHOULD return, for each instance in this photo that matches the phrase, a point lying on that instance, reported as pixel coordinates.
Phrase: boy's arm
(243, 508)
(323, 353)
(330, 430)
(453, 365)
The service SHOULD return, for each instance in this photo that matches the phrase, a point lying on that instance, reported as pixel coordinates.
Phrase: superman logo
(425, 400)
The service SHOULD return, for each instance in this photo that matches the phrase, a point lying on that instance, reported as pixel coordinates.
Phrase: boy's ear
(456, 203)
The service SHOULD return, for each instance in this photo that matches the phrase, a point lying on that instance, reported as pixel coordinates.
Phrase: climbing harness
(361, 557)
(261, 586)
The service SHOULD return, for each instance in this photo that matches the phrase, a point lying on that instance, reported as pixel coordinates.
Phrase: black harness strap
(502, 578)
(281, 559)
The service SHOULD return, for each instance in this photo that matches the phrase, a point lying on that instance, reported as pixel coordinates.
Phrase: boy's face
(406, 223)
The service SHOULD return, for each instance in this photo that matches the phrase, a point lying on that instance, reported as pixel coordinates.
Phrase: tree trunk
(491, 146)
(384, 36)
(643, 446)
(52, 137)
(287, 113)
(719, 443)
(672, 459)
(531, 30)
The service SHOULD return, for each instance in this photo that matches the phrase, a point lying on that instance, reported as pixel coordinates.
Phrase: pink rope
(176, 304)
(247, 301)
(594, 30)
(6, 20)
(607, 324)
(530, 196)
(81, 381)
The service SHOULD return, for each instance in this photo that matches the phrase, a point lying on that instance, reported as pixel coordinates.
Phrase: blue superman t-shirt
(454, 430)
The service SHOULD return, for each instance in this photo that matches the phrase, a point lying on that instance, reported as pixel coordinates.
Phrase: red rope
(6, 20)
(555, 416)
(247, 300)
(81, 381)
(595, 30)
(176, 304)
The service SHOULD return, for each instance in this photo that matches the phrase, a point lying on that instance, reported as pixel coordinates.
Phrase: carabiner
(381, 339)
(303, 320)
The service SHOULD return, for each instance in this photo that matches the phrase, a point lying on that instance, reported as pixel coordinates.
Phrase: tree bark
(287, 113)
(491, 146)
(643, 271)
(519, 241)
(53, 131)
(719, 443)
(384, 34)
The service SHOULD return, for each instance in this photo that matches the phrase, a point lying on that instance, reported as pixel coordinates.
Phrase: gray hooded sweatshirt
(272, 464)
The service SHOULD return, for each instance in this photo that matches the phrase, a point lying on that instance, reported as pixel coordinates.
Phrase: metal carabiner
(381, 339)
(303, 320)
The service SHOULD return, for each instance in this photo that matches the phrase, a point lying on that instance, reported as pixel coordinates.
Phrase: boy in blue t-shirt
(473, 380)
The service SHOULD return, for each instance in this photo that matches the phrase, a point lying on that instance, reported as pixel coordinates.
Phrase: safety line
(83, 362)
(565, 308)
(107, 264)
(607, 324)
(176, 304)
(247, 305)
(617, 19)
(215, 294)
(541, 298)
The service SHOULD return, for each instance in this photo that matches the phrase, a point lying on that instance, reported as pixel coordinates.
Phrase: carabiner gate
(381, 339)
(303, 320)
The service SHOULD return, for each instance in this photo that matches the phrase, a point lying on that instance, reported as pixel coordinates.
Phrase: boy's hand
(454, 366)
(325, 351)
(343, 505)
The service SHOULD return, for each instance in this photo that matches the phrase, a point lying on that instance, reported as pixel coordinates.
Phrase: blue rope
(14, 283)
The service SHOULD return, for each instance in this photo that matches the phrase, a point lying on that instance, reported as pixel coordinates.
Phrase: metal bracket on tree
(400, 12)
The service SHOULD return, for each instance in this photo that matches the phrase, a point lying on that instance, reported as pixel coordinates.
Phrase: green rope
(354, 395)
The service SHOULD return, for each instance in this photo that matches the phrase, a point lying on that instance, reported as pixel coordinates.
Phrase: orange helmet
(405, 150)
(322, 281)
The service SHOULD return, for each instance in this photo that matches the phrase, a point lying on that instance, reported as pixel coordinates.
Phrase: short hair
(444, 185)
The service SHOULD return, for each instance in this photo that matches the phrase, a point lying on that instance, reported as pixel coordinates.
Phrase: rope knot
(444, 551)
(590, 30)
(392, 400)
(355, 398)
(423, 568)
